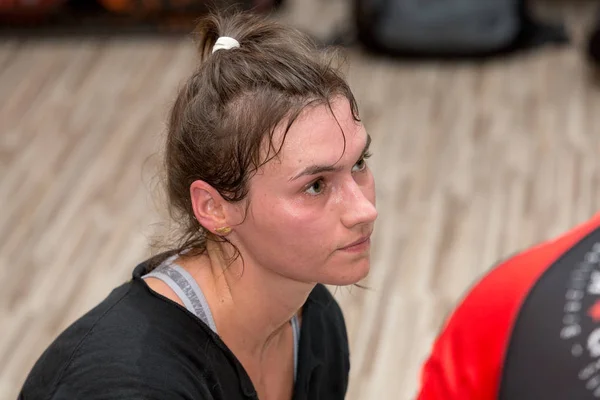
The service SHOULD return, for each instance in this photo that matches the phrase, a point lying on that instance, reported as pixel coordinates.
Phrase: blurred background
(485, 120)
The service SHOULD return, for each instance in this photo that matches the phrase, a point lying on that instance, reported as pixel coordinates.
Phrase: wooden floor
(472, 161)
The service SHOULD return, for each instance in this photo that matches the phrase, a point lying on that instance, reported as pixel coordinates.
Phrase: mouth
(359, 245)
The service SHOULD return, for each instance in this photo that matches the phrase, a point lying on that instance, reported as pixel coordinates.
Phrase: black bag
(449, 27)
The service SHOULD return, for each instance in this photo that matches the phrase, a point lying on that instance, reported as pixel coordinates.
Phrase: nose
(360, 205)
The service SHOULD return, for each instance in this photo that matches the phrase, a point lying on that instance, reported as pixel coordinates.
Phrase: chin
(348, 274)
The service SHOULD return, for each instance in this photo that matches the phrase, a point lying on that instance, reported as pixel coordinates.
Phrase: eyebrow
(319, 169)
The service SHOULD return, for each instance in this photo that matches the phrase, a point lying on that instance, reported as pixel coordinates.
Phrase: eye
(362, 163)
(316, 187)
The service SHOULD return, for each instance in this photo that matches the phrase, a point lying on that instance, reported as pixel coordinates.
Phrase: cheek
(294, 217)
(292, 224)
(370, 189)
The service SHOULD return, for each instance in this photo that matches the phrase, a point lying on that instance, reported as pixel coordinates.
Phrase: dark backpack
(449, 27)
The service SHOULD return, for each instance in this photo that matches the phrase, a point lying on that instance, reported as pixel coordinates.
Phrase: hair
(222, 123)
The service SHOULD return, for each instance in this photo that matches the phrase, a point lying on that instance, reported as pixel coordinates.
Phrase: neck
(251, 304)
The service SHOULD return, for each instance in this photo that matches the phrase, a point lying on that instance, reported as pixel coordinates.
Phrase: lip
(359, 244)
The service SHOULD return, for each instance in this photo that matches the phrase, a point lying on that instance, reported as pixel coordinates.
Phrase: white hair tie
(225, 43)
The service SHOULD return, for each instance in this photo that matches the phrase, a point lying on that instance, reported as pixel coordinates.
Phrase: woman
(266, 172)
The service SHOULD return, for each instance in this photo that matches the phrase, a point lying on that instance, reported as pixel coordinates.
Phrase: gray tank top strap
(186, 288)
(296, 333)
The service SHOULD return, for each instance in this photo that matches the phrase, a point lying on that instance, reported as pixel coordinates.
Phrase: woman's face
(312, 209)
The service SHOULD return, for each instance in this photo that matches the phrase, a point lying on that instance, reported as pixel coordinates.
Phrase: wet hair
(221, 126)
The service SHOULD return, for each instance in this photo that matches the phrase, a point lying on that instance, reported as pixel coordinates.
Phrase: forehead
(319, 134)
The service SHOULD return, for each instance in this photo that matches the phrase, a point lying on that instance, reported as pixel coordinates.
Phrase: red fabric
(467, 357)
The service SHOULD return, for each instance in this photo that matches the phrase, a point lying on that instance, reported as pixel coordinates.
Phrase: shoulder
(500, 294)
(326, 307)
(476, 335)
(322, 296)
(325, 320)
(323, 347)
(121, 348)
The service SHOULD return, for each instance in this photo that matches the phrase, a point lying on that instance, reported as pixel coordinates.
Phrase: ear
(210, 208)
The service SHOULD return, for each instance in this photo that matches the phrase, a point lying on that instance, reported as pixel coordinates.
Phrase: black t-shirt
(137, 344)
